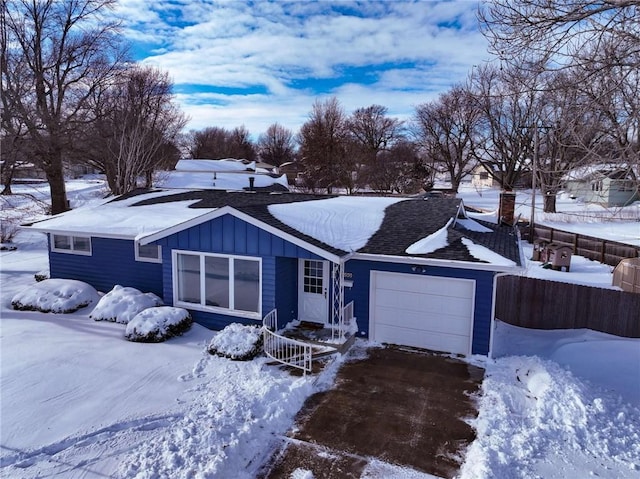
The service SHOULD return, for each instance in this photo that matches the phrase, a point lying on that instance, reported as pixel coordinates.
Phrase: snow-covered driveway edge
(536, 419)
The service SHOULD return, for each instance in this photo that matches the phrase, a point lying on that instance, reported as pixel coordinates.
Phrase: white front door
(313, 291)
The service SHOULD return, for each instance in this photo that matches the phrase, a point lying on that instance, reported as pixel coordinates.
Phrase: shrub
(237, 342)
(41, 275)
(122, 304)
(55, 296)
(157, 324)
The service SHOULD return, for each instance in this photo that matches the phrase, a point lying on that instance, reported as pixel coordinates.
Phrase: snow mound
(55, 296)
(157, 324)
(537, 420)
(122, 304)
(237, 342)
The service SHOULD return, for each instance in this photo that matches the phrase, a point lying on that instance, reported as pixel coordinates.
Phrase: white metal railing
(348, 313)
(286, 351)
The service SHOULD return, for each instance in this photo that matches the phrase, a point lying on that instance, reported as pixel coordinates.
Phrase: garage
(430, 312)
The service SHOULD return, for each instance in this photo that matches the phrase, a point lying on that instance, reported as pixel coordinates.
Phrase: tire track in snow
(25, 459)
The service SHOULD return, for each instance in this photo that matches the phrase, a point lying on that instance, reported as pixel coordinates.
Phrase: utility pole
(532, 227)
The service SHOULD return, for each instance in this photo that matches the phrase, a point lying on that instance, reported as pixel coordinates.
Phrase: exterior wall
(606, 191)
(360, 272)
(112, 262)
(231, 235)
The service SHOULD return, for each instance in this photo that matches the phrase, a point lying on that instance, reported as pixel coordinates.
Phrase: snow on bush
(41, 275)
(121, 304)
(154, 325)
(55, 296)
(237, 342)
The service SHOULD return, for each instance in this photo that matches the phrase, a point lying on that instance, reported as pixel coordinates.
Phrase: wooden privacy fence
(542, 304)
(598, 249)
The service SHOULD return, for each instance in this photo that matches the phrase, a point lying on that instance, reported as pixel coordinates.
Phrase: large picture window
(227, 284)
(71, 244)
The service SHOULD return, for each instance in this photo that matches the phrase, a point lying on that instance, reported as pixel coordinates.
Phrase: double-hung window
(218, 283)
(71, 244)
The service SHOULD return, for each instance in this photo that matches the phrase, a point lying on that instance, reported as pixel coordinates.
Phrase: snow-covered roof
(596, 171)
(334, 227)
(221, 180)
(118, 219)
(227, 164)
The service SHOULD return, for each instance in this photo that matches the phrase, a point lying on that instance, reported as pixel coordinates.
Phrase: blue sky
(254, 63)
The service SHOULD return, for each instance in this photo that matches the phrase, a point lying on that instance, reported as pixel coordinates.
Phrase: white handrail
(348, 312)
(287, 351)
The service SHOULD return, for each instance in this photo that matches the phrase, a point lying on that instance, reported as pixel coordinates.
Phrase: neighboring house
(419, 271)
(228, 174)
(480, 178)
(608, 186)
(292, 169)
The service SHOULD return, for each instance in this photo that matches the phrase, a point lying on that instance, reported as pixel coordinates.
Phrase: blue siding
(112, 262)
(231, 235)
(359, 294)
(287, 290)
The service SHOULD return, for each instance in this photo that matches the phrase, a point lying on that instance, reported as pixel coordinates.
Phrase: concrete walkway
(397, 406)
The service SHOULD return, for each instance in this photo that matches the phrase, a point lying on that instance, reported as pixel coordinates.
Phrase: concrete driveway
(398, 406)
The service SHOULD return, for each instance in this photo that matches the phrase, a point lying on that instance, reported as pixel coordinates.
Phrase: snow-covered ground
(615, 223)
(78, 400)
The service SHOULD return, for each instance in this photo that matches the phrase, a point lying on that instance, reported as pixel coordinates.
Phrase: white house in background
(226, 174)
(608, 185)
(480, 178)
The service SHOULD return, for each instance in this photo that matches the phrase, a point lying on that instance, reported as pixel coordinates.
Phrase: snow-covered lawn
(78, 400)
(614, 223)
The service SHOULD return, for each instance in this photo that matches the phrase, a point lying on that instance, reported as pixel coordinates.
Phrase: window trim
(144, 259)
(215, 309)
(71, 249)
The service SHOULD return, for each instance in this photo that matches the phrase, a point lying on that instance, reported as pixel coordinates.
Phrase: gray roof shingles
(405, 223)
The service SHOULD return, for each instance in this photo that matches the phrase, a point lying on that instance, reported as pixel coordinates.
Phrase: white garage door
(422, 311)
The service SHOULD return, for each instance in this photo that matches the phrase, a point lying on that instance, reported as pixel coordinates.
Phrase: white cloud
(265, 46)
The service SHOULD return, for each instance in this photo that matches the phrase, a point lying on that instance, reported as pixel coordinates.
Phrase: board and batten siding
(233, 236)
(112, 262)
(360, 272)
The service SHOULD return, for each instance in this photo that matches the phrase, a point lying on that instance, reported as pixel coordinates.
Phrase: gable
(230, 234)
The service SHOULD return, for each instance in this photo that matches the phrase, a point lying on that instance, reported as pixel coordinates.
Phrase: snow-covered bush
(154, 325)
(41, 275)
(55, 296)
(121, 304)
(237, 342)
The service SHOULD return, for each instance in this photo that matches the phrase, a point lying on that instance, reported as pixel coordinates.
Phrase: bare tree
(372, 132)
(445, 128)
(241, 145)
(562, 32)
(613, 93)
(217, 143)
(55, 56)
(569, 128)
(506, 126)
(137, 124)
(276, 145)
(323, 143)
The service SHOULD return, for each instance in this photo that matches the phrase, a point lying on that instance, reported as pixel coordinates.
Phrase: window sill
(221, 311)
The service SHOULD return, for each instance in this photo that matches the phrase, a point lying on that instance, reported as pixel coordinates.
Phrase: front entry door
(313, 291)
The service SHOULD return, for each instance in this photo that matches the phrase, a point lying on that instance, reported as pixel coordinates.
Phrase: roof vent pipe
(251, 181)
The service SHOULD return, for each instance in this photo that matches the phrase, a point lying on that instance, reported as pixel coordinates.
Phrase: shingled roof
(405, 223)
